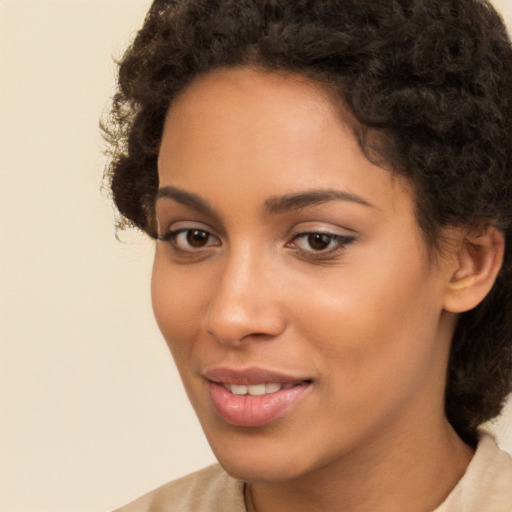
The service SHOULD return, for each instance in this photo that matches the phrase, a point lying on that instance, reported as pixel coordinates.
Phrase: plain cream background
(92, 411)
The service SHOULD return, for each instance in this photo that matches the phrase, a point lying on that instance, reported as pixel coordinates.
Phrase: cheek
(374, 327)
(177, 306)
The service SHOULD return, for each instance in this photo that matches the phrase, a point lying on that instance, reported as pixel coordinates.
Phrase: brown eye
(319, 241)
(190, 240)
(197, 238)
(320, 244)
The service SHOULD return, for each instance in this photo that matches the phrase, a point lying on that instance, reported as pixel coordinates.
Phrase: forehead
(247, 129)
(245, 101)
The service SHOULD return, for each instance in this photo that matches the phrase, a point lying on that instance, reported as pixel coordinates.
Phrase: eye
(190, 240)
(319, 243)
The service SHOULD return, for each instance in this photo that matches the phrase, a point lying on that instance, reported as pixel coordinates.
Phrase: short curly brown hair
(428, 81)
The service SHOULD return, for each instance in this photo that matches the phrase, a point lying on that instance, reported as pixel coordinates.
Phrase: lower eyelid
(339, 244)
(172, 235)
(339, 241)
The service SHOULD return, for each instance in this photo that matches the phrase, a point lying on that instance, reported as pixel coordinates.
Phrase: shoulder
(487, 483)
(208, 490)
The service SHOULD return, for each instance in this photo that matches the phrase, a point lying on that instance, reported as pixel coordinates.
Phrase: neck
(414, 471)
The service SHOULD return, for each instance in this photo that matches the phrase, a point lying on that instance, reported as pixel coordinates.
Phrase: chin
(269, 470)
(262, 456)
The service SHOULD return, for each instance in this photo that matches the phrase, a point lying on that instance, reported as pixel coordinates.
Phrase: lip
(253, 411)
(250, 376)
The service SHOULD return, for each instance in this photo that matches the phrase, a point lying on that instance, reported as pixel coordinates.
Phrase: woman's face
(291, 281)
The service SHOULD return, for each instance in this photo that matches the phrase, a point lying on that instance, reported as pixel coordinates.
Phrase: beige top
(485, 487)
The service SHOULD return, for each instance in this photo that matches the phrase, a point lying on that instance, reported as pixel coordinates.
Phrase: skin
(365, 319)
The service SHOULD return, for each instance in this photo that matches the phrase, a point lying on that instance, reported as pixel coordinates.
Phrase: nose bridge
(244, 303)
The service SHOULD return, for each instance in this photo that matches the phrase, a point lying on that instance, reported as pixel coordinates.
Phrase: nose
(245, 304)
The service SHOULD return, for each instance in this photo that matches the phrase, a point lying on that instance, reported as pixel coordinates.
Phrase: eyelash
(340, 242)
(171, 237)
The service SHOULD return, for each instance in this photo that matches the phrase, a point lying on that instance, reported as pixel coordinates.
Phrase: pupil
(197, 238)
(319, 241)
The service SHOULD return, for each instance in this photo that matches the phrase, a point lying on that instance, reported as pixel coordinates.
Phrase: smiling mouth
(254, 397)
(257, 389)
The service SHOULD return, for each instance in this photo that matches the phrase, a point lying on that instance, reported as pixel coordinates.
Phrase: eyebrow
(290, 202)
(273, 205)
(188, 199)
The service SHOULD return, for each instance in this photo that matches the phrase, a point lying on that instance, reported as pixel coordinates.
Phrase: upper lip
(250, 376)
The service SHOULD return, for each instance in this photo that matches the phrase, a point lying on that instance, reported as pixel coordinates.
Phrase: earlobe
(479, 260)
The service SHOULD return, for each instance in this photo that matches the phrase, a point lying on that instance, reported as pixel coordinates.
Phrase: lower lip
(254, 411)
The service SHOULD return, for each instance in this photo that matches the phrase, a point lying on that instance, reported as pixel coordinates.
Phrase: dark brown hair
(430, 85)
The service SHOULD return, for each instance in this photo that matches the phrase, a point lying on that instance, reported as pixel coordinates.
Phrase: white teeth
(239, 389)
(272, 388)
(254, 389)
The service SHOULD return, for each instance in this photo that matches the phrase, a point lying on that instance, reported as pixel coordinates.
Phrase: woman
(330, 187)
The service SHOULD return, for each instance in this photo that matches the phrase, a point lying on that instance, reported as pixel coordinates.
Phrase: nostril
(260, 336)
(236, 314)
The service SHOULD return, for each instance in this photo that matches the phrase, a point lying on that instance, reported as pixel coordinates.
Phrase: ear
(478, 262)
